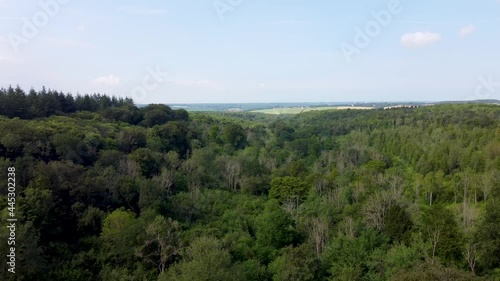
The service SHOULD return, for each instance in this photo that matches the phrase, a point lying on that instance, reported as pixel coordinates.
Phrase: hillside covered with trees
(108, 191)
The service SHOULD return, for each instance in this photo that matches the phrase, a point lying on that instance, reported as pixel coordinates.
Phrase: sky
(235, 51)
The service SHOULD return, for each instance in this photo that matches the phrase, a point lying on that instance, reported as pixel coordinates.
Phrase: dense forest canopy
(109, 191)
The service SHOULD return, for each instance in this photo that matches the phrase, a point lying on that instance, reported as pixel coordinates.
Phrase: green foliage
(204, 260)
(400, 258)
(125, 193)
(119, 236)
(131, 139)
(294, 264)
(397, 225)
(149, 161)
(157, 114)
(171, 136)
(234, 134)
(349, 258)
(376, 165)
(443, 234)
(288, 188)
(433, 273)
(37, 201)
(161, 243)
(488, 234)
(274, 230)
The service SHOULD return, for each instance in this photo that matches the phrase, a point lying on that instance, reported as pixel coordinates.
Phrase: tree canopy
(111, 191)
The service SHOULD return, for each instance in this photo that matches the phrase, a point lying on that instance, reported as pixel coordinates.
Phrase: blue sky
(195, 51)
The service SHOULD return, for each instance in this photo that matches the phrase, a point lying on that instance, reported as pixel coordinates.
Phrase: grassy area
(297, 110)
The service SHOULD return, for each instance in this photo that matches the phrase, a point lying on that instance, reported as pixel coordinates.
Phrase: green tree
(443, 234)
(119, 236)
(204, 260)
(149, 161)
(288, 188)
(488, 235)
(274, 230)
(37, 201)
(397, 225)
(235, 135)
(161, 243)
(295, 264)
(131, 139)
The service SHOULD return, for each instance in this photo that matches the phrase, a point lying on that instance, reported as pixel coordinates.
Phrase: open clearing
(297, 110)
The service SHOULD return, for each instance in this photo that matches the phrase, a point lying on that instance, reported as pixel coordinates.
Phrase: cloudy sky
(193, 51)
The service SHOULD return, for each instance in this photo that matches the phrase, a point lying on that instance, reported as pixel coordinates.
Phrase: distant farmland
(297, 110)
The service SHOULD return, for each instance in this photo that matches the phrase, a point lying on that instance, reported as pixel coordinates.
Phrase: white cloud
(110, 80)
(419, 39)
(467, 30)
(142, 11)
(80, 28)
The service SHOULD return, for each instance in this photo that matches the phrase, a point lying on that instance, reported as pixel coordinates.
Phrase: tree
(181, 115)
(397, 225)
(148, 160)
(162, 242)
(232, 169)
(204, 260)
(288, 188)
(274, 230)
(171, 136)
(282, 131)
(234, 135)
(295, 264)
(119, 236)
(16, 103)
(443, 233)
(319, 230)
(488, 236)
(157, 114)
(131, 139)
(376, 208)
(37, 201)
(165, 180)
(155, 117)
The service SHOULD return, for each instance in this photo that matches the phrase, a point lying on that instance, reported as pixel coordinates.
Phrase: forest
(109, 191)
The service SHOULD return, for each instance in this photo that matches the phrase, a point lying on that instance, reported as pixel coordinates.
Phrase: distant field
(297, 110)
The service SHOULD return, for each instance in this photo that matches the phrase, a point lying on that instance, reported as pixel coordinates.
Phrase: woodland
(110, 191)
